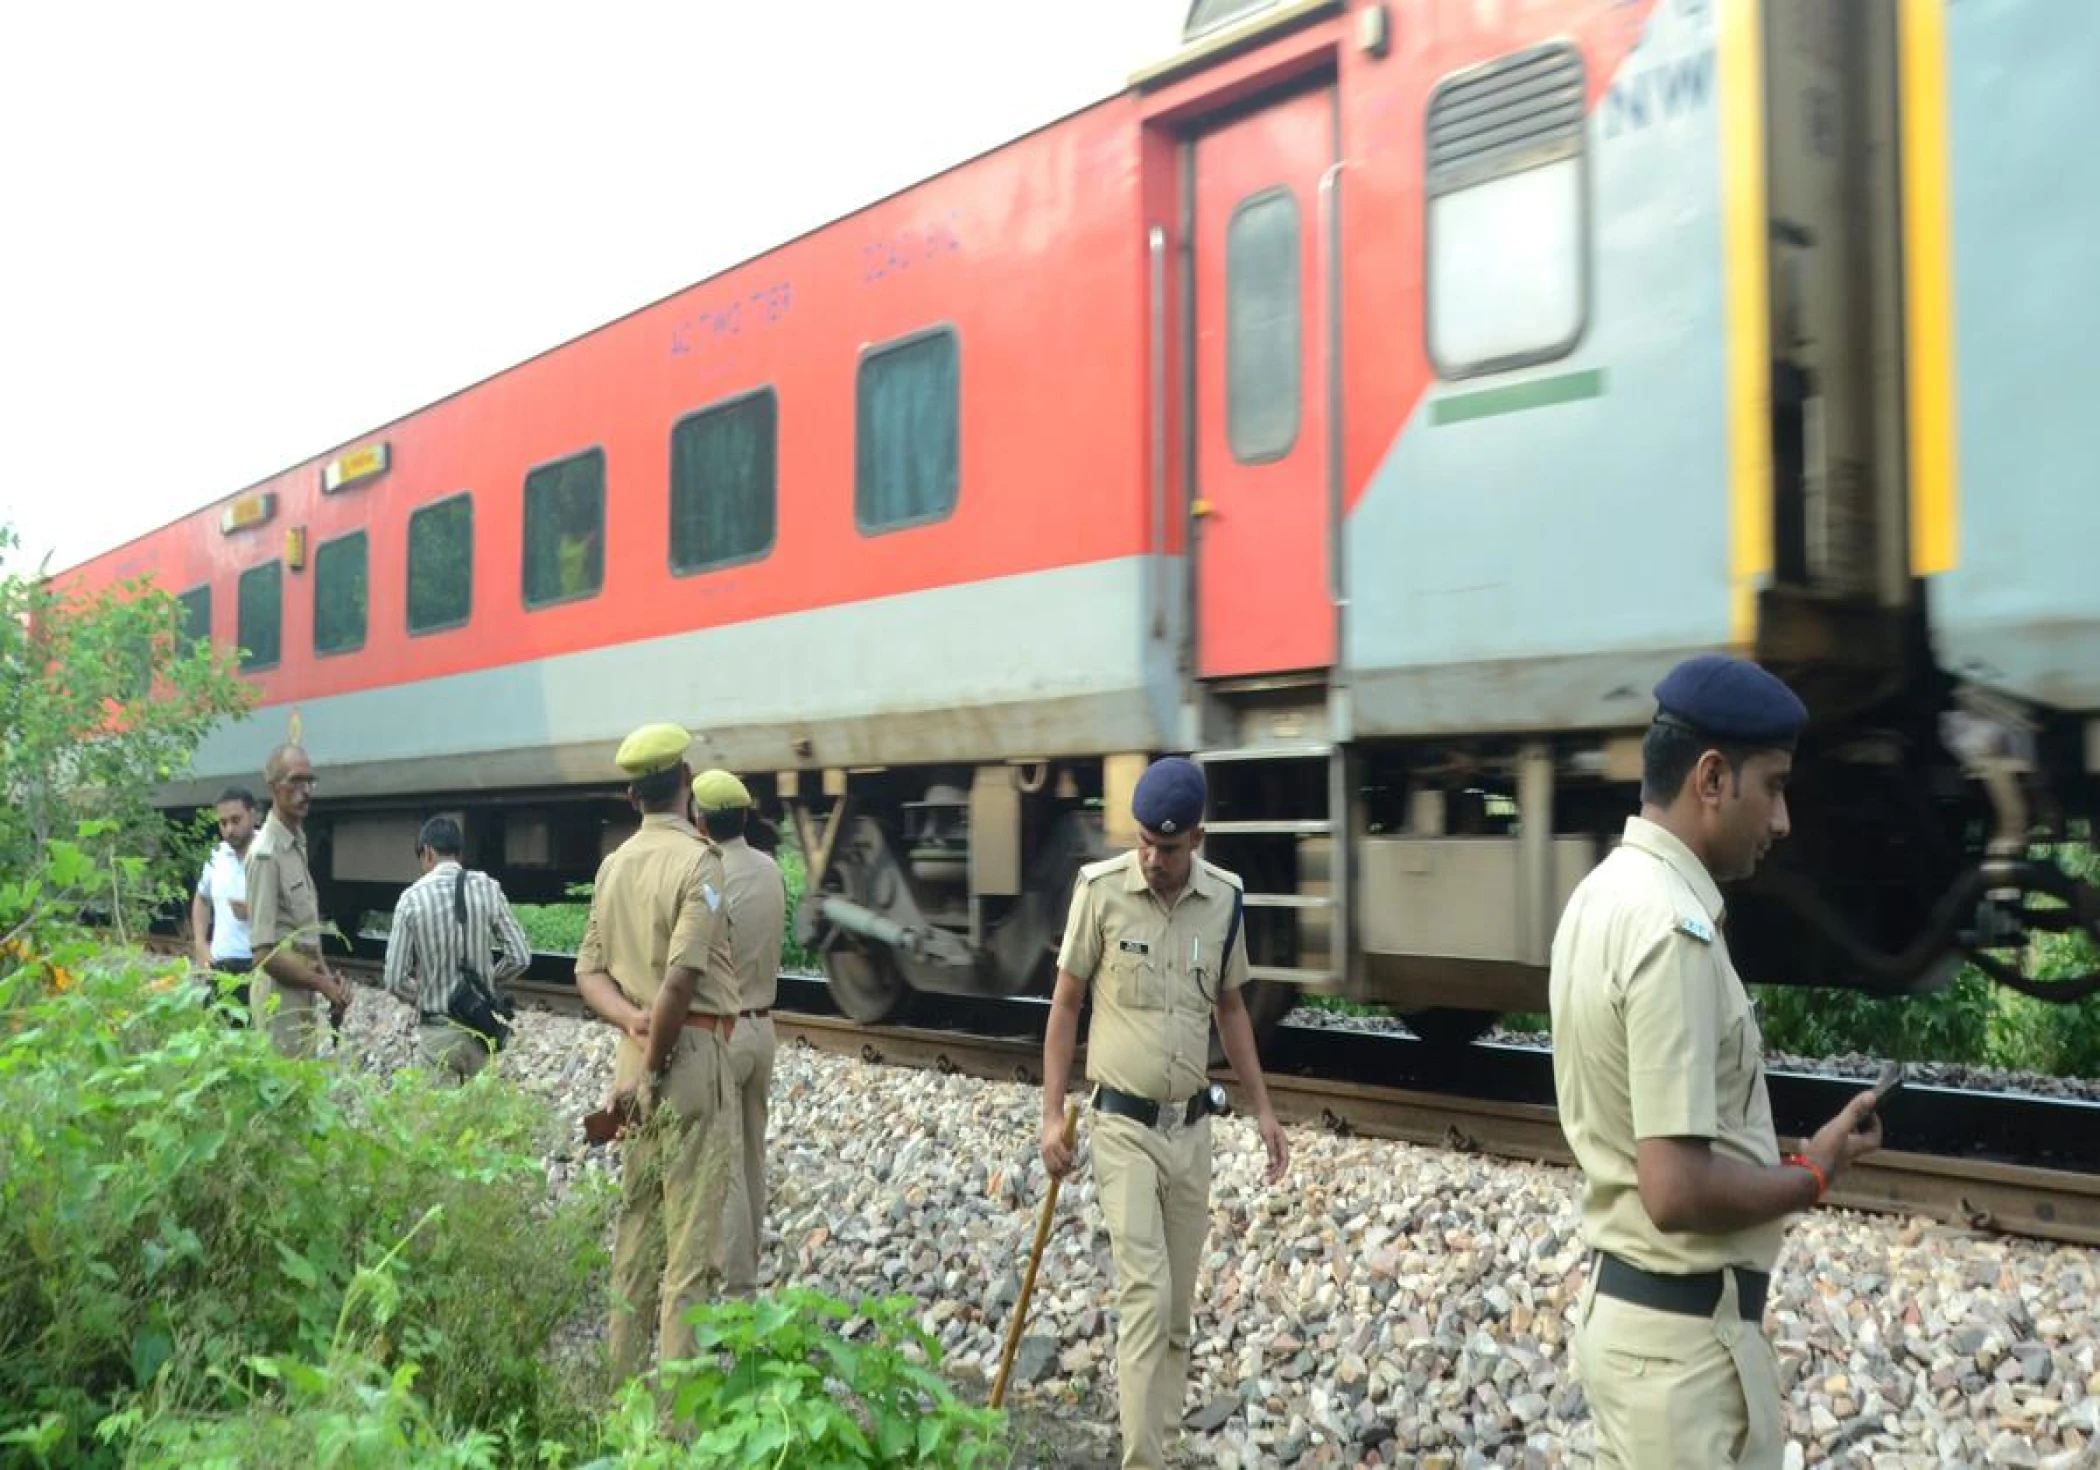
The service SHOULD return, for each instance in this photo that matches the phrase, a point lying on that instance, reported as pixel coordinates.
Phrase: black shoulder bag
(475, 1004)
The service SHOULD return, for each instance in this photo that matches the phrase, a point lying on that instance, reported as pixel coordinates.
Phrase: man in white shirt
(219, 910)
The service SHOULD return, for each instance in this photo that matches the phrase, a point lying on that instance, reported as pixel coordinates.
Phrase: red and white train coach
(1373, 398)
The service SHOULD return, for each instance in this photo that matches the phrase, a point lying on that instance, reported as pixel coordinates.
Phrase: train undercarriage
(1423, 875)
(1428, 877)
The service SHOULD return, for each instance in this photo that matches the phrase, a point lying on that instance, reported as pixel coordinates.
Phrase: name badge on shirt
(1133, 946)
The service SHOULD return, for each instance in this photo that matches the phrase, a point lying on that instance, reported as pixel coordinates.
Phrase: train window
(441, 565)
(196, 614)
(725, 468)
(565, 529)
(1506, 256)
(907, 438)
(339, 594)
(1263, 356)
(260, 629)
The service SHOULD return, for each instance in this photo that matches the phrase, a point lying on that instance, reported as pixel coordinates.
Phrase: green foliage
(1973, 1020)
(103, 696)
(349, 1409)
(803, 1380)
(1950, 1025)
(213, 1255)
(175, 1198)
(793, 957)
(552, 928)
(557, 928)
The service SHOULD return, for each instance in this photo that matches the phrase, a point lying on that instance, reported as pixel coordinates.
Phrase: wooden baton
(1035, 1259)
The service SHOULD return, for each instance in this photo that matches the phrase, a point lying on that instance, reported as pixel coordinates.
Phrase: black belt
(1142, 1109)
(1691, 1296)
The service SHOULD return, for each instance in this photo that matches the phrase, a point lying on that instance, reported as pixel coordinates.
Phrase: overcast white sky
(238, 233)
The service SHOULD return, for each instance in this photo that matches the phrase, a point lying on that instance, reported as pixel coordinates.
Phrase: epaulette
(1224, 875)
(1091, 871)
(1696, 926)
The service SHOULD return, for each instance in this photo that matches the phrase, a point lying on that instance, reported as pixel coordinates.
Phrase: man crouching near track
(1659, 1068)
(1159, 930)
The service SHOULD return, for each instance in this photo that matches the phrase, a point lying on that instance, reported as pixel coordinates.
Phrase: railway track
(1992, 1162)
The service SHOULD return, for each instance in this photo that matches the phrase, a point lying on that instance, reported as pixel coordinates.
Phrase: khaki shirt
(659, 901)
(758, 922)
(1154, 972)
(1653, 1037)
(282, 899)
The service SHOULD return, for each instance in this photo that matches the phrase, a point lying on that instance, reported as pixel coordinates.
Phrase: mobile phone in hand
(1886, 1086)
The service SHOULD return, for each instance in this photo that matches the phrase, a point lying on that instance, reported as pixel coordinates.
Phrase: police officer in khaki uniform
(284, 914)
(1156, 933)
(1657, 1060)
(656, 961)
(757, 902)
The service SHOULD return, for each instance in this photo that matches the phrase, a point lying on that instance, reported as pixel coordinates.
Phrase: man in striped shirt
(428, 943)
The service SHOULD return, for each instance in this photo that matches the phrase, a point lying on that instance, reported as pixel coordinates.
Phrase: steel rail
(1984, 1195)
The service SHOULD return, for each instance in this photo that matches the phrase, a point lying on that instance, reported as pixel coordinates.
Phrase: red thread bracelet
(1802, 1161)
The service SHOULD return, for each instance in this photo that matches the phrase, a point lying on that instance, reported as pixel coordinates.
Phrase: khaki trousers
(300, 1020)
(1668, 1390)
(1154, 1185)
(453, 1052)
(675, 1179)
(751, 1053)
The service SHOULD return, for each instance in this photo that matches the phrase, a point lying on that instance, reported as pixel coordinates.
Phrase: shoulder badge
(713, 896)
(1697, 927)
(1091, 871)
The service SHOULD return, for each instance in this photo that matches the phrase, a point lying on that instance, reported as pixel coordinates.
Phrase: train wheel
(1267, 1004)
(867, 987)
(1445, 1026)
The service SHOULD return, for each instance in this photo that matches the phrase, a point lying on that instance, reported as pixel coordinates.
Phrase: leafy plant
(804, 1380)
(174, 1195)
(557, 928)
(104, 696)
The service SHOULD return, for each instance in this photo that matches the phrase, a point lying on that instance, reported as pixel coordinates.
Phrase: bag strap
(459, 914)
(1232, 931)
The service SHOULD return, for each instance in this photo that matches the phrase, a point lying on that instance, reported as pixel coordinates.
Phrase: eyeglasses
(311, 783)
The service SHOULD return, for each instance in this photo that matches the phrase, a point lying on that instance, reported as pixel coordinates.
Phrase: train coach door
(1261, 538)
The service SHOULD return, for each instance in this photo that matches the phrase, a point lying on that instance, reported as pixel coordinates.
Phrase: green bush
(783, 1381)
(178, 1199)
(103, 695)
(1973, 1020)
(1949, 1025)
(552, 928)
(557, 928)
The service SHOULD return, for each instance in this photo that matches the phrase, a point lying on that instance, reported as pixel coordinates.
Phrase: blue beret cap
(1169, 796)
(1730, 699)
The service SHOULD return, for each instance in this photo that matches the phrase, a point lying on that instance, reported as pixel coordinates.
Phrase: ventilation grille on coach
(1514, 114)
